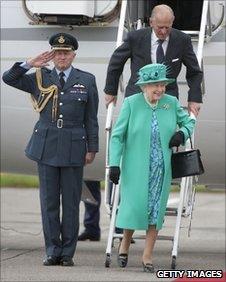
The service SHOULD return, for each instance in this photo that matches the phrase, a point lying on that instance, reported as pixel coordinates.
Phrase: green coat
(130, 149)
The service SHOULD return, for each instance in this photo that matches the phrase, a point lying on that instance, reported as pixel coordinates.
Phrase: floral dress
(156, 169)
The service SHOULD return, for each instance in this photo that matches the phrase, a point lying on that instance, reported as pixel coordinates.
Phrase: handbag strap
(189, 135)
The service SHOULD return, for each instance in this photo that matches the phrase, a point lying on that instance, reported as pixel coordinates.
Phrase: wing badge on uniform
(79, 85)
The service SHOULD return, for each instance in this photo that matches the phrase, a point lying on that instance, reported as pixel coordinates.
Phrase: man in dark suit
(162, 44)
(64, 139)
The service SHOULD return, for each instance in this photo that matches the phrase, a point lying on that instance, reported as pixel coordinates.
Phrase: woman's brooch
(166, 106)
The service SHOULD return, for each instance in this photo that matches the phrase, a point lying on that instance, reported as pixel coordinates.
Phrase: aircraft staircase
(185, 203)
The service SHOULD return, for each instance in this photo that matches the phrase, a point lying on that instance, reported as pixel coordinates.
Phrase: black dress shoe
(122, 260)
(148, 267)
(88, 236)
(66, 261)
(51, 260)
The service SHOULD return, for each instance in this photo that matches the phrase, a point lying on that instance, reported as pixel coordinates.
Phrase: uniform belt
(60, 123)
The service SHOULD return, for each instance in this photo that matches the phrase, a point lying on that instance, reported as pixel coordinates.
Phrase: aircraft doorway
(187, 13)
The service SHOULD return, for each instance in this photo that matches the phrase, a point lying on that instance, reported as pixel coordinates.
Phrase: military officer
(64, 139)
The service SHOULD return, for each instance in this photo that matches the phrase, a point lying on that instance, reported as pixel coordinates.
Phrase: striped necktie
(61, 78)
(159, 52)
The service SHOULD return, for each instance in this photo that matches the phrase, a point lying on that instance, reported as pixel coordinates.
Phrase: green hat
(63, 41)
(153, 73)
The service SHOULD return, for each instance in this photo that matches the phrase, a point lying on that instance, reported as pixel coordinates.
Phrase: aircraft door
(72, 12)
(85, 8)
(187, 13)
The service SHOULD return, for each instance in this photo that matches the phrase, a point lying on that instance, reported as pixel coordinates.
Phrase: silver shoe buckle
(60, 123)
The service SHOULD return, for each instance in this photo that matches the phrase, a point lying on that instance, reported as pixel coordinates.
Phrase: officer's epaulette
(86, 72)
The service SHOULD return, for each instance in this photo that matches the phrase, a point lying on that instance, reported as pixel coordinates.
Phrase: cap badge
(61, 39)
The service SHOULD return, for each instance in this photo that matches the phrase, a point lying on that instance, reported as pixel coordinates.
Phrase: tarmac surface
(22, 245)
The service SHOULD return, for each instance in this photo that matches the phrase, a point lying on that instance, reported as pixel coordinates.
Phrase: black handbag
(186, 163)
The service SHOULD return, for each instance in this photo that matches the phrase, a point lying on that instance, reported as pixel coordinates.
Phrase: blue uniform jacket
(77, 111)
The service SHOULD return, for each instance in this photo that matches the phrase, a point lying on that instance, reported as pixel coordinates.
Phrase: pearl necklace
(152, 105)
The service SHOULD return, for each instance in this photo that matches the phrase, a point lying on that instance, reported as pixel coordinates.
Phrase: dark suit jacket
(137, 47)
(77, 107)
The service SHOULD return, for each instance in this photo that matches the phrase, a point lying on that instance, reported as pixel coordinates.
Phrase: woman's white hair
(142, 87)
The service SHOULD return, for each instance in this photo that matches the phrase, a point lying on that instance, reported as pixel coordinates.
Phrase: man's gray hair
(159, 9)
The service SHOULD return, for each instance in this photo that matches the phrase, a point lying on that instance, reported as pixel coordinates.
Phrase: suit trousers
(92, 212)
(60, 184)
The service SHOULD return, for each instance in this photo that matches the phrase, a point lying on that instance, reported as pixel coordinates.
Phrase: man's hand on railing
(110, 98)
(114, 174)
(194, 108)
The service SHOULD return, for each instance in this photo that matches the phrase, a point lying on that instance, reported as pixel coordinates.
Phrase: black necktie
(61, 78)
(159, 52)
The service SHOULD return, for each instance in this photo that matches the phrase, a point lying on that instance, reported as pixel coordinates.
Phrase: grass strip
(31, 181)
(19, 180)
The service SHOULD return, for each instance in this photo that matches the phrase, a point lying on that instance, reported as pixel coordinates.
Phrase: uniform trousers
(60, 226)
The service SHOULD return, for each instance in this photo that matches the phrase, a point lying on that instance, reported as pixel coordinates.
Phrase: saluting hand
(42, 59)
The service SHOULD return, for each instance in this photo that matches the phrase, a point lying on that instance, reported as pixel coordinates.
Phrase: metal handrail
(187, 182)
(121, 23)
(201, 40)
(111, 107)
(108, 125)
(120, 35)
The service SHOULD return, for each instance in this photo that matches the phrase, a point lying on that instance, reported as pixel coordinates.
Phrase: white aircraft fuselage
(21, 40)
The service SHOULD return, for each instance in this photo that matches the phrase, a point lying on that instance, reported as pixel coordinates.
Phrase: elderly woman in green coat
(149, 125)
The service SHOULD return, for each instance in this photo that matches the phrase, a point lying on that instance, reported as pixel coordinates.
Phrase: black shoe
(88, 236)
(51, 260)
(66, 261)
(148, 267)
(122, 260)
